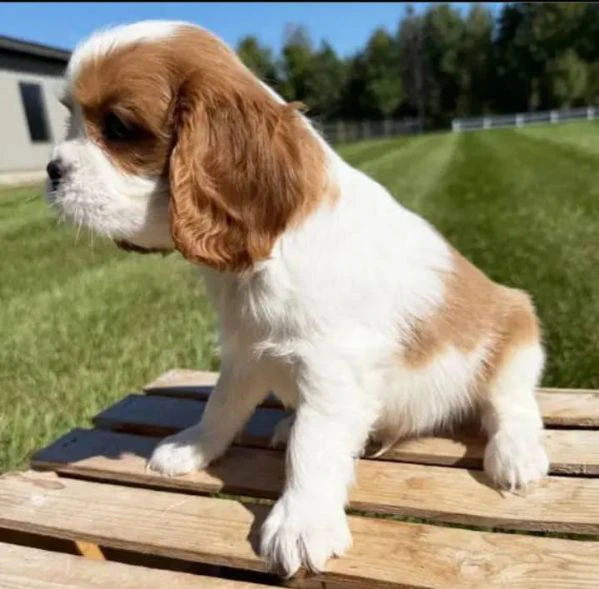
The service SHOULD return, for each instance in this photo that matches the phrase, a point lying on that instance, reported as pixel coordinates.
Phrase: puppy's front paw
(515, 459)
(179, 454)
(299, 532)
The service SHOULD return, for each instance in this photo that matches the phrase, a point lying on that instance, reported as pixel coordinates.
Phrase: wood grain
(22, 566)
(182, 377)
(559, 407)
(192, 384)
(570, 408)
(570, 451)
(559, 504)
(222, 532)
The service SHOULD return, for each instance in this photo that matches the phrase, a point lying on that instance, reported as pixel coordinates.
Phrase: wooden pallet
(89, 494)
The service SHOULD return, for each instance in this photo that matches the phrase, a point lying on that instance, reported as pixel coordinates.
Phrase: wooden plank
(558, 504)
(182, 377)
(161, 416)
(570, 451)
(193, 378)
(23, 566)
(223, 532)
(557, 390)
(569, 409)
(192, 384)
(559, 407)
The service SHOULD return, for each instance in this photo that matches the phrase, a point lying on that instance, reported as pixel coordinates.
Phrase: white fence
(346, 131)
(588, 113)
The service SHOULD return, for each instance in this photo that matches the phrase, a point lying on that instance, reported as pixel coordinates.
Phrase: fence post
(590, 113)
(366, 129)
(386, 128)
(554, 116)
(340, 132)
(455, 125)
(486, 123)
(519, 120)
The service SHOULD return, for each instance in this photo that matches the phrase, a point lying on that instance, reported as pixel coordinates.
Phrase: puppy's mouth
(131, 247)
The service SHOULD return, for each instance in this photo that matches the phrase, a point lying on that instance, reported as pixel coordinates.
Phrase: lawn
(83, 323)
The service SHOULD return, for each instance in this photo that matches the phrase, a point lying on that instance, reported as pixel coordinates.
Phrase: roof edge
(35, 49)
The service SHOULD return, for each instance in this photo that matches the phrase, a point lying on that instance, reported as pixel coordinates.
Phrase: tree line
(438, 64)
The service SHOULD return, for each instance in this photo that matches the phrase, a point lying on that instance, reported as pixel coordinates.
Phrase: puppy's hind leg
(515, 456)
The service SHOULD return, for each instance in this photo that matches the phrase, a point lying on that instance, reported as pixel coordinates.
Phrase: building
(31, 117)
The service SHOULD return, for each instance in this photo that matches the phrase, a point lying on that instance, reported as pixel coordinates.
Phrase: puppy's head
(174, 144)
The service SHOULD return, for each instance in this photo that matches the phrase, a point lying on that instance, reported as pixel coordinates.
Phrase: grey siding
(17, 151)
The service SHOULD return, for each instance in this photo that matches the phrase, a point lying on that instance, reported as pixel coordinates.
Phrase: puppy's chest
(267, 317)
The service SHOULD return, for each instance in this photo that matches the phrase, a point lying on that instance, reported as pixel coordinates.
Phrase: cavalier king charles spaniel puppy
(351, 308)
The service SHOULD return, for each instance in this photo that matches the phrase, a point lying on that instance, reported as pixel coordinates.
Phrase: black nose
(55, 170)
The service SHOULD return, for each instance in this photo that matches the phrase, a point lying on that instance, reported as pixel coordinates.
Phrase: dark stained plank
(570, 451)
(161, 416)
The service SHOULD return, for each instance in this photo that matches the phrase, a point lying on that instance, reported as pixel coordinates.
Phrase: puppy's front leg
(308, 523)
(235, 396)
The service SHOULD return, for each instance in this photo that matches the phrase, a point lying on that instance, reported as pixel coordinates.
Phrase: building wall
(17, 151)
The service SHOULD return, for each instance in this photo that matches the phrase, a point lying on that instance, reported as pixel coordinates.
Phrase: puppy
(353, 309)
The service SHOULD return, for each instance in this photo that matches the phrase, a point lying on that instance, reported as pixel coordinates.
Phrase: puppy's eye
(115, 129)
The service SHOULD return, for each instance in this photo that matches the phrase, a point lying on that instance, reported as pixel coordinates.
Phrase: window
(35, 111)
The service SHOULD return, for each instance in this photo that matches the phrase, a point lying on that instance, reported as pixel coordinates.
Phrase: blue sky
(346, 25)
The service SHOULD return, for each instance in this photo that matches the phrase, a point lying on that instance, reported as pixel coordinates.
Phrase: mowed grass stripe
(357, 154)
(568, 182)
(412, 176)
(384, 162)
(582, 137)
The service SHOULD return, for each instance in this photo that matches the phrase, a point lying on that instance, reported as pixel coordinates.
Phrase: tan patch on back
(475, 310)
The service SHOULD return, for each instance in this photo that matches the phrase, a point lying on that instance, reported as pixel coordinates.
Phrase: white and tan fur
(361, 317)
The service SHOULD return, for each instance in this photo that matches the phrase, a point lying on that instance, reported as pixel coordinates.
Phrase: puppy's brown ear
(243, 168)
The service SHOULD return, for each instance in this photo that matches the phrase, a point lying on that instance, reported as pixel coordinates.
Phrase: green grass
(82, 325)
